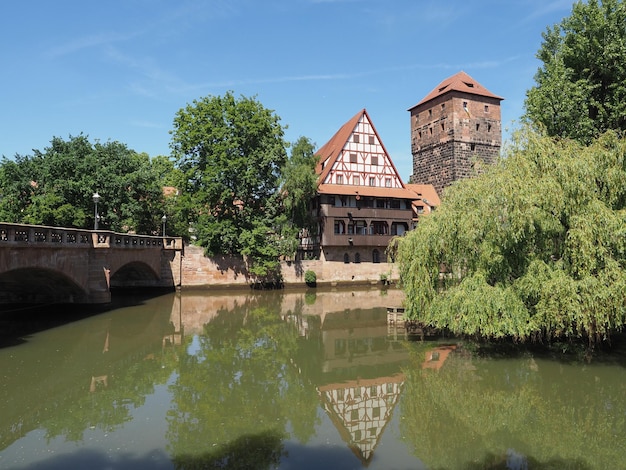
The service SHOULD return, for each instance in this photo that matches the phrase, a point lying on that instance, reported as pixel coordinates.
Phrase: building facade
(455, 129)
(361, 200)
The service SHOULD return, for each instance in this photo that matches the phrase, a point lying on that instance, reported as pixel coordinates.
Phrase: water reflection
(292, 380)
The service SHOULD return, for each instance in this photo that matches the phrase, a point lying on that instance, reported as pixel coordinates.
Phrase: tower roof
(460, 82)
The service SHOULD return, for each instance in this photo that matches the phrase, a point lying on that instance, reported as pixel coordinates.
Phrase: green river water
(291, 380)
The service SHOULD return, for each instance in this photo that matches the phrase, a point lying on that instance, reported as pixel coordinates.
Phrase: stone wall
(199, 271)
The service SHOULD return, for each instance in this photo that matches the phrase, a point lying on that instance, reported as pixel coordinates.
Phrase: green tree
(55, 187)
(533, 249)
(580, 89)
(231, 152)
(299, 184)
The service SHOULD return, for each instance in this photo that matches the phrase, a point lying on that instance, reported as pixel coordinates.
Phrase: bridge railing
(42, 235)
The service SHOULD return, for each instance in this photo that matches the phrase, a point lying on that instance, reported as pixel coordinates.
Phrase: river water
(291, 380)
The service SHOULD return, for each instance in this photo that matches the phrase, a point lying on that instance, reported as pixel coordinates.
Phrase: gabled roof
(332, 150)
(461, 82)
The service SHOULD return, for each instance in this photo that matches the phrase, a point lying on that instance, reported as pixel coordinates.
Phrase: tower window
(486, 108)
(477, 126)
(472, 147)
(443, 105)
(430, 113)
(443, 126)
(488, 127)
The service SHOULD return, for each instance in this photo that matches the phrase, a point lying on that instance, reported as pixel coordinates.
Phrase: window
(430, 113)
(486, 108)
(374, 160)
(353, 158)
(488, 127)
(357, 257)
(372, 181)
(375, 256)
(398, 228)
(355, 138)
(443, 105)
(477, 126)
(340, 227)
(472, 147)
(331, 200)
(346, 258)
(379, 227)
(371, 140)
(354, 415)
(387, 182)
(376, 412)
(465, 105)
(360, 227)
(443, 126)
(356, 180)
(339, 179)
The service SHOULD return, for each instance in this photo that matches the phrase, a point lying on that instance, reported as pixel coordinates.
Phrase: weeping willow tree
(532, 249)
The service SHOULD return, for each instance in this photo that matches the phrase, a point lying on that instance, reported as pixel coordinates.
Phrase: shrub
(310, 278)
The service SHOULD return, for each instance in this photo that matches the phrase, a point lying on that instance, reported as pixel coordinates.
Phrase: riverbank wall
(198, 271)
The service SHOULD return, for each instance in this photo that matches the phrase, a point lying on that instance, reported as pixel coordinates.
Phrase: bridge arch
(134, 274)
(39, 285)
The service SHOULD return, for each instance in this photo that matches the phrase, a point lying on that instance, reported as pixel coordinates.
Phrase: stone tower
(453, 127)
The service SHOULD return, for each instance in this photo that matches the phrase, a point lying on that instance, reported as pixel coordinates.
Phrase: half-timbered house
(361, 200)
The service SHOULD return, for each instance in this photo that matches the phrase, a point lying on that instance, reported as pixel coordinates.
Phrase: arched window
(346, 258)
(357, 257)
(375, 256)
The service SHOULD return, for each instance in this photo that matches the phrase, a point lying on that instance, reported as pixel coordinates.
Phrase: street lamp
(96, 200)
(163, 220)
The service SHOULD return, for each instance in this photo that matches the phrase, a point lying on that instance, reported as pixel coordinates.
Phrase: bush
(310, 278)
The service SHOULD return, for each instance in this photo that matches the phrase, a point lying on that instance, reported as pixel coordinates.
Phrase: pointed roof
(461, 82)
(332, 150)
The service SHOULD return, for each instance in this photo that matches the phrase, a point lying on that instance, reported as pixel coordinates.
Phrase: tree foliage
(533, 249)
(580, 89)
(231, 152)
(55, 187)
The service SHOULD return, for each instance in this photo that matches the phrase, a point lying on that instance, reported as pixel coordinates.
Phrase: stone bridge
(41, 264)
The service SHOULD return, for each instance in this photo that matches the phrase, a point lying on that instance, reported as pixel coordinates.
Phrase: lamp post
(96, 200)
(163, 220)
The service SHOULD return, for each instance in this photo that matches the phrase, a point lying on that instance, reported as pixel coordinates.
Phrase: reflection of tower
(362, 409)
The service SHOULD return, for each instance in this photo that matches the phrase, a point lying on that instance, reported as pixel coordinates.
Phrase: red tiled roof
(459, 82)
(425, 192)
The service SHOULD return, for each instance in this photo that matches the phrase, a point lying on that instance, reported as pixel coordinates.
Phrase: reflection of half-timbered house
(361, 199)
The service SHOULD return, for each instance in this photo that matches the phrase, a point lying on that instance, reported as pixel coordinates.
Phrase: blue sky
(120, 70)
